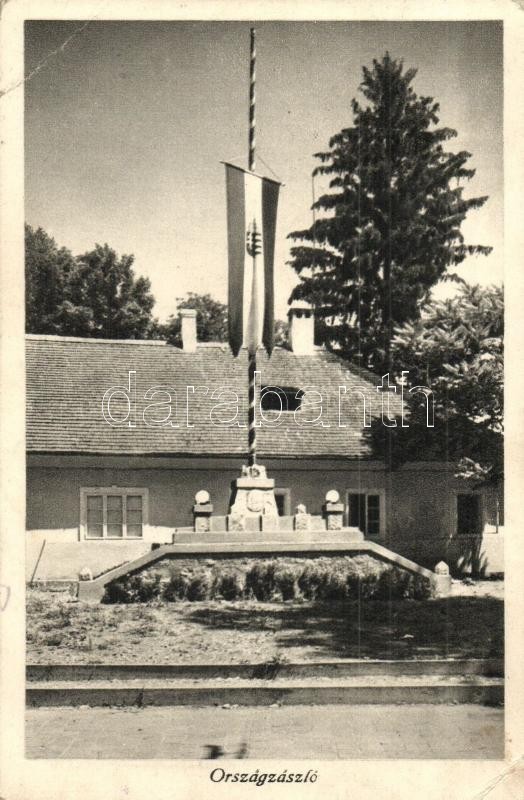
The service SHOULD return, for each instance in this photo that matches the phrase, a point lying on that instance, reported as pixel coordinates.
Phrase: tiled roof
(67, 379)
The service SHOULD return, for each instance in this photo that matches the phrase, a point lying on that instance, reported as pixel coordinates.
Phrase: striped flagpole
(252, 434)
(252, 78)
(252, 355)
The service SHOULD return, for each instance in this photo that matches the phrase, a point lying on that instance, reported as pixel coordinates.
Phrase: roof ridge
(351, 366)
(90, 339)
(50, 337)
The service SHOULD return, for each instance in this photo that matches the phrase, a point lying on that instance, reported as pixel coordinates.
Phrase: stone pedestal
(334, 516)
(253, 494)
(202, 512)
(302, 519)
(202, 517)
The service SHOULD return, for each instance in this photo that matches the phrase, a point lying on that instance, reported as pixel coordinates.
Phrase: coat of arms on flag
(251, 221)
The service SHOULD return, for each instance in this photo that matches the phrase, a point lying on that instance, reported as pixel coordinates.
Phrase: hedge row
(342, 578)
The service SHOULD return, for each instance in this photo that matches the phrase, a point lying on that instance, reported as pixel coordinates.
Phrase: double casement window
(113, 513)
(366, 511)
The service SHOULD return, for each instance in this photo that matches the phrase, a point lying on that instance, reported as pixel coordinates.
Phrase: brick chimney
(189, 329)
(301, 328)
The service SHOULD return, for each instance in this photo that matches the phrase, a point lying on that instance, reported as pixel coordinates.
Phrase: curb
(489, 692)
(491, 667)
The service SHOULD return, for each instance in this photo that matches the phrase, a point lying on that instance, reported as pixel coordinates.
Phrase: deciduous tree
(94, 295)
(456, 350)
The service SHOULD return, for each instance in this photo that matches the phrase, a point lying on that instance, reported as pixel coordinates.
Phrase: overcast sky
(127, 124)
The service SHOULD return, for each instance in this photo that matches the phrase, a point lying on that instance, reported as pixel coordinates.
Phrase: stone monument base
(253, 498)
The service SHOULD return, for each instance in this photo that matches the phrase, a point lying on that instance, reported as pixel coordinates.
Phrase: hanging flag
(251, 208)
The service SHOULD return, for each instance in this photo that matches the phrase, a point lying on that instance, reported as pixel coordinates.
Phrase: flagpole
(252, 354)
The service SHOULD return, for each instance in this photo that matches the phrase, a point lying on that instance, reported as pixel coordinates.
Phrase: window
(469, 519)
(283, 501)
(113, 513)
(366, 511)
(280, 398)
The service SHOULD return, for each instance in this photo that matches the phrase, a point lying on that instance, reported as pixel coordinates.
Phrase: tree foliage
(456, 350)
(107, 301)
(211, 321)
(94, 295)
(47, 271)
(388, 229)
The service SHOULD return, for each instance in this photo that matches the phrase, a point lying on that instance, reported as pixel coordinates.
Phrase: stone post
(333, 511)
(202, 511)
(442, 580)
(302, 518)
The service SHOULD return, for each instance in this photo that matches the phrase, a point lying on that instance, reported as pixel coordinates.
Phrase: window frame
(104, 492)
(286, 494)
(381, 493)
(481, 511)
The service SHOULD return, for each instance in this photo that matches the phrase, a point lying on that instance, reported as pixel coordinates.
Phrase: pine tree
(388, 229)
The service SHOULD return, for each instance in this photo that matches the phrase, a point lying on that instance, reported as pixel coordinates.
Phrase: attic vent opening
(280, 398)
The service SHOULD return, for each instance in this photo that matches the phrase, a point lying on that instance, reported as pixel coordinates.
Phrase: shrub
(326, 579)
(363, 577)
(229, 585)
(369, 585)
(398, 584)
(145, 587)
(422, 588)
(176, 586)
(133, 589)
(200, 586)
(286, 582)
(260, 580)
(117, 592)
(335, 585)
(311, 580)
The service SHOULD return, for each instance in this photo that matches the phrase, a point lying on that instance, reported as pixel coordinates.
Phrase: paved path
(309, 732)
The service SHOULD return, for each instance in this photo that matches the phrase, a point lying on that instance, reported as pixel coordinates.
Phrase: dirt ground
(471, 588)
(468, 624)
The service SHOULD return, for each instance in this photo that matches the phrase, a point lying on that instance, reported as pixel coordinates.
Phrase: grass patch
(258, 631)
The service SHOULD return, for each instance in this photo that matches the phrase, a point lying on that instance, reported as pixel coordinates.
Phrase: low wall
(318, 543)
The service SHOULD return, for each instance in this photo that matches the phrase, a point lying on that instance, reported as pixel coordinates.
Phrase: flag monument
(252, 201)
(251, 221)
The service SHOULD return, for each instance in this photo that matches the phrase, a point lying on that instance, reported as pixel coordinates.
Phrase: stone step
(256, 692)
(268, 537)
(323, 669)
